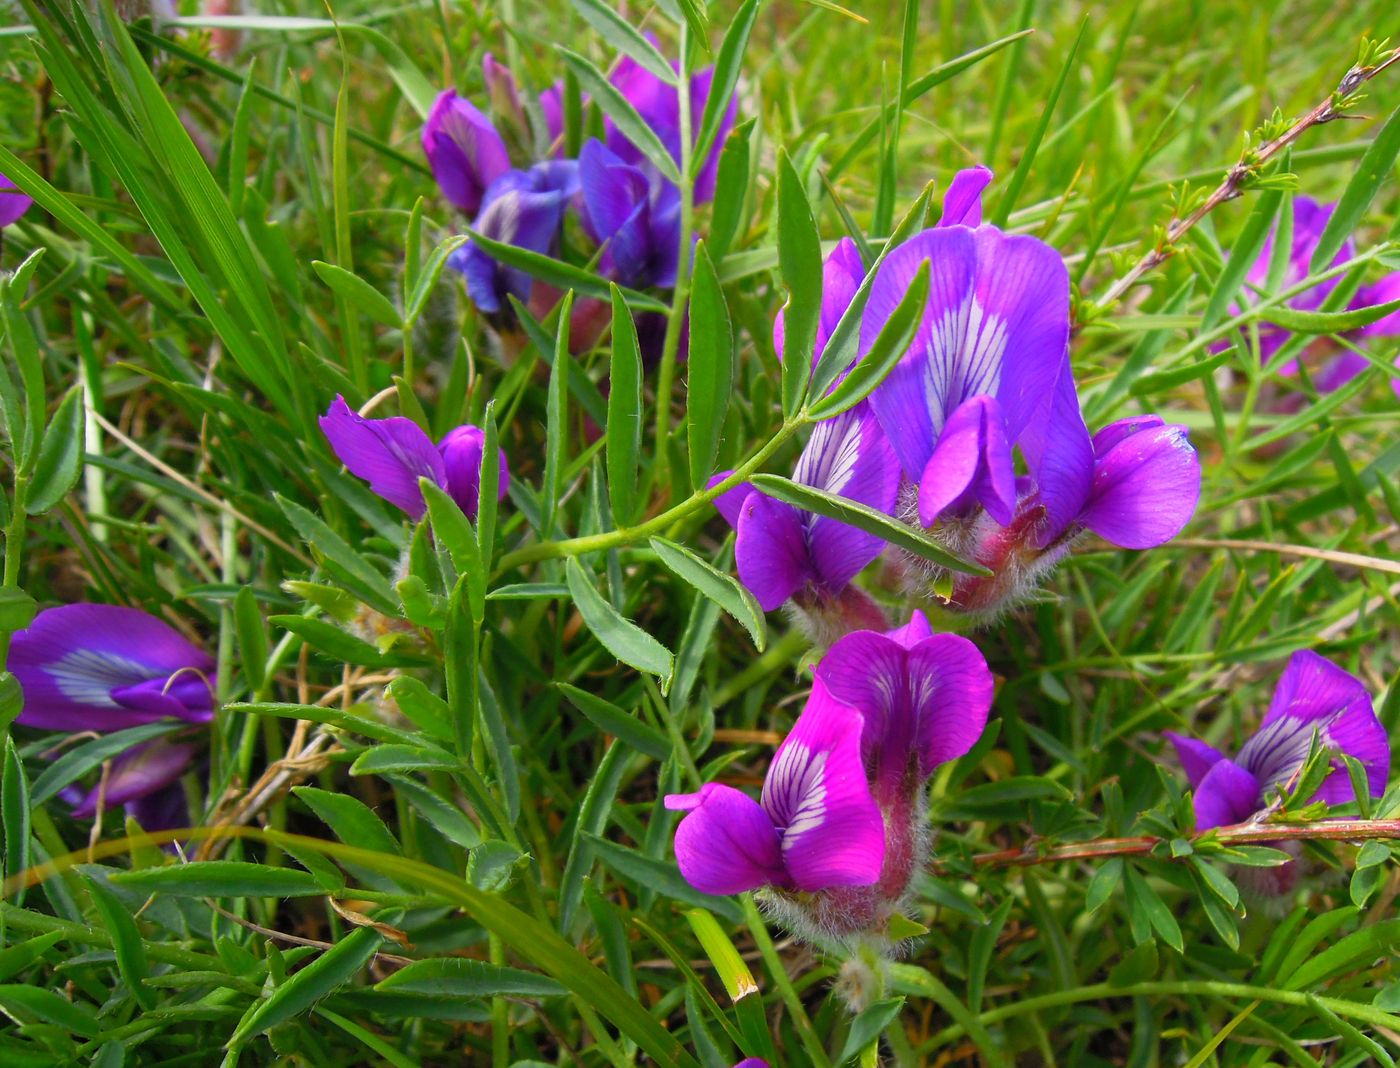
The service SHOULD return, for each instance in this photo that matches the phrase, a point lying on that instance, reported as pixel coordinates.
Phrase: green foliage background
(483, 777)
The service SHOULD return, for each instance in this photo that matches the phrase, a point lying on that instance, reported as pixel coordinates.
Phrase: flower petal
(771, 550)
(849, 456)
(521, 208)
(971, 462)
(842, 274)
(817, 795)
(390, 454)
(726, 844)
(464, 150)
(461, 450)
(913, 632)
(1145, 488)
(962, 203)
(730, 503)
(13, 203)
(1226, 794)
(1060, 457)
(1196, 756)
(138, 773)
(952, 690)
(1381, 292)
(71, 659)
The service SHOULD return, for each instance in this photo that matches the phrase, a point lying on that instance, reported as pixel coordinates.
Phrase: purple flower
(658, 105)
(393, 454)
(464, 150)
(816, 827)
(636, 218)
(1313, 696)
(145, 780)
(783, 552)
(923, 697)
(13, 203)
(842, 274)
(983, 366)
(524, 209)
(101, 667)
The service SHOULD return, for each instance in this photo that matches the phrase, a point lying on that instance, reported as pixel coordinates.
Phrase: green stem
(553, 550)
(1182, 988)
(680, 299)
(797, 1014)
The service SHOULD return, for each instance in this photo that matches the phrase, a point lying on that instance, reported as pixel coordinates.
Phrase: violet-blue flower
(464, 150)
(13, 203)
(101, 667)
(393, 454)
(816, 827)
(145, 780)
(635, 217)
(1312, 696)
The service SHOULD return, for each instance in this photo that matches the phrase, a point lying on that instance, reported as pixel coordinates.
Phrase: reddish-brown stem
(1345, 830)
(1234, 180)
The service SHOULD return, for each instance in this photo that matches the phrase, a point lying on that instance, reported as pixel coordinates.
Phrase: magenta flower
(816, 826)
(520, 208)
(785, 553)
(393, 454)
(464, 150)
(1313, 696)
(102, 667)
(13, 203)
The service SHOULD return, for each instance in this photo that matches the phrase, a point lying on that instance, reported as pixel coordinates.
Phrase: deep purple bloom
(102, 667)
(816, 827)
(393, 454)
(144, 780)
(658, 105)
(636, 218)
(1314, 695)
(524, 209)
(983, 366)
(464, 150)
(783, 552)
(923, 697)
(13, 203)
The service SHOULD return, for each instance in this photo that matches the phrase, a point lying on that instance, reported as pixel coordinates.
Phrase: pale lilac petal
(13, 203)
(817, 795)
(464, 150)
(913, 632)
(390, 454)
(730, 503)
(850, 457)
(951, 689)
(971, 462)
(72, 658)
(1226, 794)
(771, 550)
(1315, 694)
(138, 773)
(1145, 488)
(726, 844)
(461, 450)
(962, 203)
(1196, 756)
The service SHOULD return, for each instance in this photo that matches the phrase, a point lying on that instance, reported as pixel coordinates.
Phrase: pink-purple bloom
(393, 454)
(1314, 696)
(464, 150)
(816, 827)
(13, 203)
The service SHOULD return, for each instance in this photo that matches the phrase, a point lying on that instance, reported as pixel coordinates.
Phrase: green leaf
(14, 813)
(889, 348)
(427, 711)
(21, 1002)
(358, 293)
(220, 878)
(442, 815)
(328, 972)
(728, 62)
(556, 421)
(1154, 909)
(562, 275)
(660, 876)
(610, 719)
(456, 977)
(252, 637)
(729, 594)
(624, 639)
(17, 609)
(1138, 966)
(493, 864)
(1374, 169)
(865, 518)
(733, 972)
(1242, 256)
(386, 758)
(81, 759)
(731, 190)
(132, 964)
(426, 282)
(453, 531)
(1377, 941)
(331, 640)
(593, 815)
(622, 35)
(868, 1026)
(359, 576)
(709, 368)
(1104, 882)
(1305, 322)
(623, 114)
(60, 460)
(800, 263)
(624, 430)
(351, 819)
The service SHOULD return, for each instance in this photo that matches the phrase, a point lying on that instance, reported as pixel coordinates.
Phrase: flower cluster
(840, 830)
(622, 202)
